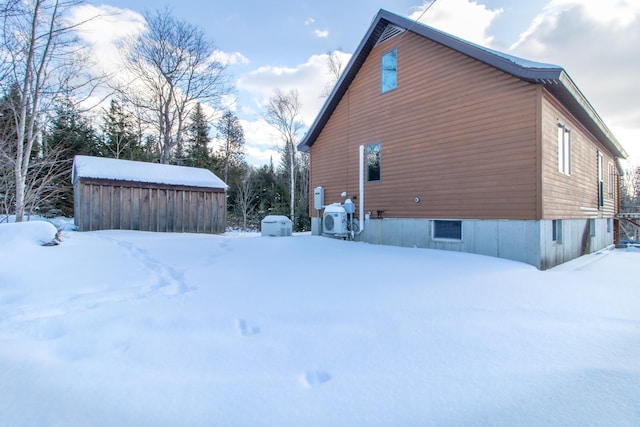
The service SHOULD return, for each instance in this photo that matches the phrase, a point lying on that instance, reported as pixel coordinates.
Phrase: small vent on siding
(389, 32)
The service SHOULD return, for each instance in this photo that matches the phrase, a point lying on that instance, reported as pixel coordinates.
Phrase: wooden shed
(130, 195)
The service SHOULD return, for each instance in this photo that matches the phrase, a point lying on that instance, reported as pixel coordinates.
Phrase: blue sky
(283, 44)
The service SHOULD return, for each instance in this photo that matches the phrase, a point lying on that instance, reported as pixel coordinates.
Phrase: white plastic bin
(276, 226)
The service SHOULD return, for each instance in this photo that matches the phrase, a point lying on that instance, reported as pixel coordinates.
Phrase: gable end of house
(554, 78)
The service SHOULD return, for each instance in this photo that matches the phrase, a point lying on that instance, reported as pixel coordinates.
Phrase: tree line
(630, 203)
(165, 106)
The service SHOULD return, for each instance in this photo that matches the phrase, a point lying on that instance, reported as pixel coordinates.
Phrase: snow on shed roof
(133, 171)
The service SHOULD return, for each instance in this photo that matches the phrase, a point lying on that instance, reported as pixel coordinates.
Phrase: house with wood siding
(115, 194)
(465, 149)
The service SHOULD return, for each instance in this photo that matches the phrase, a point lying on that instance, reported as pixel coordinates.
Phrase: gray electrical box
(318, 198)
(349, 206)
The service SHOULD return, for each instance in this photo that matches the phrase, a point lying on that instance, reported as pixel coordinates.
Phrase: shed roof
(553, 77)
(133, 171)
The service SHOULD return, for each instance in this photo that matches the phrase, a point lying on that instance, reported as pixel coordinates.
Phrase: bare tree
(283, 113)
(335, 66)
(40, 59)
(246, 200)
(172, 66)
(630, 202)
(40, 189)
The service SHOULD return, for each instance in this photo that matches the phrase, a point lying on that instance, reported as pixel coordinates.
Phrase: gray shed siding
(124, 205)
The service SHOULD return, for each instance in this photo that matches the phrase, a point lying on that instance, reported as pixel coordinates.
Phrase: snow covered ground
(120, 328)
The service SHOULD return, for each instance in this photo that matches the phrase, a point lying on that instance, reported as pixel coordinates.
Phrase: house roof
(133, 171)
(553, 77)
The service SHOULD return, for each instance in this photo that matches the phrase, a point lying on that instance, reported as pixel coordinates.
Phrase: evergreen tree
(119, 136)
(47, 165)
(270, 191)
(8, 136)
(69, 134)
(232, 148)
(302, 220)
(198, 152)
(179, 155)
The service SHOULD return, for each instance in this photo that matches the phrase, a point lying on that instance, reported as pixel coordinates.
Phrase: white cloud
(104, 24)
(229, 102)
(309, 21)
(597, 44)
(103, 29)
(309, 79)
(466, 19)
(230, 58)
(321, 34)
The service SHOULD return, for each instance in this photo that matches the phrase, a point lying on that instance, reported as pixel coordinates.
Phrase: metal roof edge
(340, 88)
(606, 134)
(549, 75)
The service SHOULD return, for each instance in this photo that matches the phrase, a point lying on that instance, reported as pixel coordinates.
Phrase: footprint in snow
(312, 379)
(246, 330)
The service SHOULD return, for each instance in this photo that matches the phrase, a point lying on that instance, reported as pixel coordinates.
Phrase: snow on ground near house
(118, 328)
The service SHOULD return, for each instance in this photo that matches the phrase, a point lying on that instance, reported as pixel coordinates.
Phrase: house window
(446, 229)
(373, 162)
(612, 179)
(556, 230)
(564, 149)
(600, 182)
(592, 227)
(389, 78)
(609, 227)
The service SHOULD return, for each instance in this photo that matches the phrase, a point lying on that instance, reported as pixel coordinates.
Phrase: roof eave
(553, 77)
(574, 100)
(353, 66)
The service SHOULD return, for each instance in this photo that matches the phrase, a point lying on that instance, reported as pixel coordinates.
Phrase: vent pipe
(361, 189)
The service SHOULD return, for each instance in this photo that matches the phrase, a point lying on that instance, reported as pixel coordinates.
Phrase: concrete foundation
(528, 241)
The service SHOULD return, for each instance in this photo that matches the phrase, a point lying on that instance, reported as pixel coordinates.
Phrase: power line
(415, 21)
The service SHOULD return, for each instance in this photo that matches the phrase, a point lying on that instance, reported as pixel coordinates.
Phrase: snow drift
(119, 328)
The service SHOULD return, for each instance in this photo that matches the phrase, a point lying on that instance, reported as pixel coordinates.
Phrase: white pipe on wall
(361, 229)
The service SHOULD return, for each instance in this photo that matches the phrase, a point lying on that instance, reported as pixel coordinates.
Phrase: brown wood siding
(574, 195)
(456, 133)
(103, 206)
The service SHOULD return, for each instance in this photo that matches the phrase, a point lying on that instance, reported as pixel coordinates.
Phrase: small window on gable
(389, 78)
(564, 149)
(373, 162)
(447, 229)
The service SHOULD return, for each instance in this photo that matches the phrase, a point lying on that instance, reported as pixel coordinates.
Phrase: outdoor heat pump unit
(334, 220)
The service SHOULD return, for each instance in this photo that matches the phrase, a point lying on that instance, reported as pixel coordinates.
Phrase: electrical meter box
(318, 198)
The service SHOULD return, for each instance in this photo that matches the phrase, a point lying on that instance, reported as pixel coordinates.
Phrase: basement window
(389, 70)
(556, 230)
(447, 229)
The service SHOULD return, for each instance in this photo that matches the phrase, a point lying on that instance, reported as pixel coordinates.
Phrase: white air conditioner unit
(334, 220)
